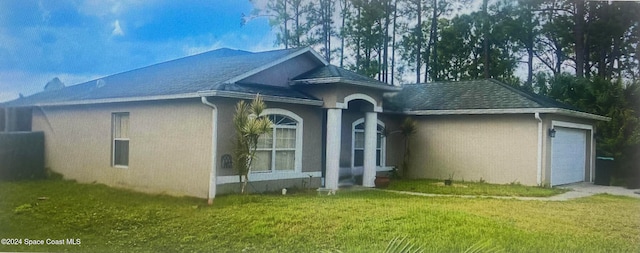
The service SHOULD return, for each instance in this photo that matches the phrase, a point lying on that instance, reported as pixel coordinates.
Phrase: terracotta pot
(381, 181)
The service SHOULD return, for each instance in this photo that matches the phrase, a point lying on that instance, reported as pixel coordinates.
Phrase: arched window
(357, 150)
(281, 149)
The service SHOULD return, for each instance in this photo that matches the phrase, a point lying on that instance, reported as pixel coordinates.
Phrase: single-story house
(167, 128)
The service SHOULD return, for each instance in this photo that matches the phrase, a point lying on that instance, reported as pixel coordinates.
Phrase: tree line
(585, 53)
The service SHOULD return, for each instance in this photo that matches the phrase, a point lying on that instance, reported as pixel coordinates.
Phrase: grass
(113, 220)
(472, 188)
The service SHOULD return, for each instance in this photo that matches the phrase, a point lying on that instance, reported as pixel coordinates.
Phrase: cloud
(117, 30)
(80, 39)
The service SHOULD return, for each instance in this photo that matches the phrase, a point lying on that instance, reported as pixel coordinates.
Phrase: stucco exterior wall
(495, 148)
(281, 74)
(169, 148)
(393, 146)
(312, 152)
(395, 141)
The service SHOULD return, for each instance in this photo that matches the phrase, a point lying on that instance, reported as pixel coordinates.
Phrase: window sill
(266, 176)
(121, 166)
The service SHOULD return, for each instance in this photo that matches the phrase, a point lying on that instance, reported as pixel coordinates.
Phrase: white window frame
(298, 148)
(383, 142)
(114, 139)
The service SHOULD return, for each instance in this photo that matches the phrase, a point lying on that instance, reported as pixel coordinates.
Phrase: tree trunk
(559, 59)
(485, 40)
(393, 42)
(345, 8)
(530, 67)
(358, 60)
(385, 61)
(286, 28)
(432, 41)
(297, 20)
(579, 37)
(529, 44)
(418, 40)
(243, 190)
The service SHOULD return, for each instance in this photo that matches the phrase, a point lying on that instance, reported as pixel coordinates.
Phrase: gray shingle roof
(186, 75)
(266, 90)
(334, 74)
(464, 95)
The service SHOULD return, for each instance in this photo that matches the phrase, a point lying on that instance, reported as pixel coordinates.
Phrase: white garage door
(568, 155)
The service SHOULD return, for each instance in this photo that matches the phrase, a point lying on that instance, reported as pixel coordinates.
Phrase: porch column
(370, 143)
(334, 123)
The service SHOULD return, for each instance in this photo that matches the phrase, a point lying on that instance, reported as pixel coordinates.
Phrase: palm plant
(249, 124)
(407, 129)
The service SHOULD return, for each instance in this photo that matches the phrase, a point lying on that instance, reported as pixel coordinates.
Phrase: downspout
(6, 119)
(540, 136)
(214, 149)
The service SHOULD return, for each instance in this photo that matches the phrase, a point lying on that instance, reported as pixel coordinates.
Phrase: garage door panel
(568, 156)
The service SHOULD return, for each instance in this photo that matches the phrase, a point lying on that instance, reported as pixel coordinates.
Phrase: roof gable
(332, 74)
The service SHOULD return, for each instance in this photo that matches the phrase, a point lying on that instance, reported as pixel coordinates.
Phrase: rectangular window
(120, 144)
(276, 150)
(358, 148)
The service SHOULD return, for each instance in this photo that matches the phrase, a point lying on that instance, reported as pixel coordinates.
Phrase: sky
(82, 40)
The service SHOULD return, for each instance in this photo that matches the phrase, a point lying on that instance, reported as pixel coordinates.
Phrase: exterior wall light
(552, 132)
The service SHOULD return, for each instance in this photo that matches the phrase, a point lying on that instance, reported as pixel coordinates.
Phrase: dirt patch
(452, 185)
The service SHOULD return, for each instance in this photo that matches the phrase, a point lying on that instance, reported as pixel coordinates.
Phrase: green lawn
(471, 188)
(111, 220)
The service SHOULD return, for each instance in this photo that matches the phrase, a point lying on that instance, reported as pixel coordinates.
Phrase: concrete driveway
(577, 190)
(584, 189)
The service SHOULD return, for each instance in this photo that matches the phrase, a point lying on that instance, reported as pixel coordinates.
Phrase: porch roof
(331, 74)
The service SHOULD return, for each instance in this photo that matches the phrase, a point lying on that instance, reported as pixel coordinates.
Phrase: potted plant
(449, 181)
(382, 180)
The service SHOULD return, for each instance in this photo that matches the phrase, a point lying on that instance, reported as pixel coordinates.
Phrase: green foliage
(483, 246)
(113, 220)
(402, 245)
(407, 129)
(21, 155)
(619, 137)
(23, 208)
(249, 124)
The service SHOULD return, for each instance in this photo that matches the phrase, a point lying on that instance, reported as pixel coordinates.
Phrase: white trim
(557, 123)
(383, 147)
(204, 93)
(242, 95)
(384, 168)
(276, 62)
(299, 136)
(114, 139)
(257, 177)
(539, 151)
(120, 100)
(328, 80)
(508, 111)
(370, 136)
(361, 96)
(332, 148)
(214, 150)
